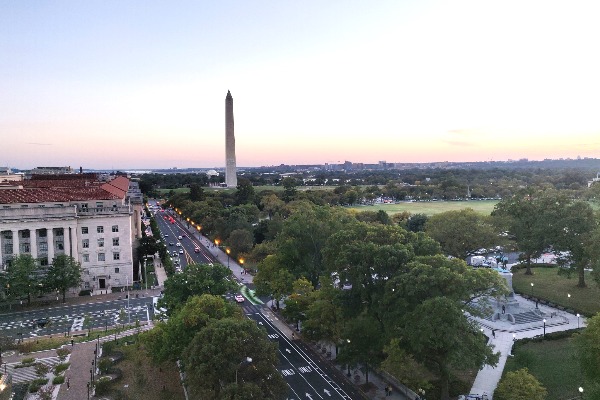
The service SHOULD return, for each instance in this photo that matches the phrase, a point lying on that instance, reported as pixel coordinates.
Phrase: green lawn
(429, 208)
(553, 363)
(547, 284)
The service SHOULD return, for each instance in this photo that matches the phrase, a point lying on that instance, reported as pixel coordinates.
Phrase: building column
(33, 243)
(15, 240)
(67, 240)
(50, 239)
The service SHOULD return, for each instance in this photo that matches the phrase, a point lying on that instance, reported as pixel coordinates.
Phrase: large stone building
(94, 222)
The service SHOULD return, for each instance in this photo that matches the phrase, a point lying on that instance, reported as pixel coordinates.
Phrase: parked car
(239, 298)
(171, 243)
(180, 237)
(196, 249)
(181, 251)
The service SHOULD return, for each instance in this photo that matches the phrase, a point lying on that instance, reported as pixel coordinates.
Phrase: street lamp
(88, 388)
(581, 391)
(544, 328)
(348, 374)
(227, 251)
(532, 290)
(242, 264)
(217, 242)
(577, 321)
(248, 360)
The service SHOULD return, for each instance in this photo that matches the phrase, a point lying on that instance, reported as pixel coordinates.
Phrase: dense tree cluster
(392, 291)
(24, 277)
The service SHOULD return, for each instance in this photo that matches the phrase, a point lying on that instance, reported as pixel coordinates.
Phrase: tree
(169, 339)
(64, 273)
(271, 204)
(520, 385)
(215, 361)
(273, 279)
(245, 192)
(524, 216)
(289, 189)
(196, 279)
(240, 241)
(439, 333)
(196, 192)
(298, 301)
(23, 276)
(362, 343)
(460, 232)
(588, 351)
(416, 222)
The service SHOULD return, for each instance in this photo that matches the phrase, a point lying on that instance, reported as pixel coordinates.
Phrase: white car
(239, 298)
(179, 237)
(181, 251)
(178, 244)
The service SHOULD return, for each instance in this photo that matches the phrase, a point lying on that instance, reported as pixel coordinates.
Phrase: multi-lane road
(70, 318)
(308, 376)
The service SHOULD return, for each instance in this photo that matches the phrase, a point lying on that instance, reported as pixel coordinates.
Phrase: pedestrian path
(503, 339)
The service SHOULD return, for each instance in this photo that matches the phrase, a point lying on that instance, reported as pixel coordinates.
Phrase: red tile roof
(62, 190)
(118, 186)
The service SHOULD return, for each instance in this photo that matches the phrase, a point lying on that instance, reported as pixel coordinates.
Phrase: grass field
(547, 284)
(429, 208)
(553, 363)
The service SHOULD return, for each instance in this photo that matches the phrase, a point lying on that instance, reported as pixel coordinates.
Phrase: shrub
(108, 347)
(59, 368)
(62, 353)
(41, 369)
(102, 387)
(28, 360)
(104, 365)
(58, 380)
(85, 292)
(36, 384)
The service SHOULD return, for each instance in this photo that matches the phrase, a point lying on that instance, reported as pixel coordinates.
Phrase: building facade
(81, 218)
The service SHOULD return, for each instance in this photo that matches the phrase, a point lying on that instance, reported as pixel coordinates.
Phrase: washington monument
(230, 169)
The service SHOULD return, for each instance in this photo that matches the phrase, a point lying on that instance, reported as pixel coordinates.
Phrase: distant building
(594, 180)
(6, 175)
(51, 171)
(95, 223)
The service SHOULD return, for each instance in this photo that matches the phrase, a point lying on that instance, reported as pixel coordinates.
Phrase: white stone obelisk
(230, 168)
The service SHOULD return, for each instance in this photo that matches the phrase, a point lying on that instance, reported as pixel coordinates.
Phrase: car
(174, 253)
(178, 244)
(239, 298)
(181, 251)
(42, 322)
(196, 249)
(183, 235)
(166, 235)
(171, 244)
(180, 237)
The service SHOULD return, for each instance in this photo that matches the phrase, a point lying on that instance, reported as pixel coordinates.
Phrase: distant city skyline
(113, 85)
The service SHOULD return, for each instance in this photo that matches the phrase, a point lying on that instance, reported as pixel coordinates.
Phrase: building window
(101, 257)
(86, 285)
(60, 246)
(115, 228)
(25, 234)
(117, 270)
(86, 257)
(60, 232)
(42, 233)
(84, 230)
(101, 242)
(115, 241)
(43, 247)
(116, 256)
(24, 248)
(100, 229)
(85, 243)
(8, 248)
(44, 261)
(99, 204)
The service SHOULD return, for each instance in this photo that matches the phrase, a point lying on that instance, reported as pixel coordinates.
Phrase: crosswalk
(27, 374)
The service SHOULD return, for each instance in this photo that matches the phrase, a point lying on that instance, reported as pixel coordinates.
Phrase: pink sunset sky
(112, 84)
